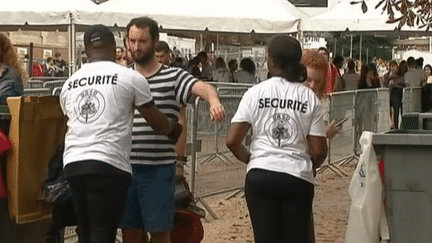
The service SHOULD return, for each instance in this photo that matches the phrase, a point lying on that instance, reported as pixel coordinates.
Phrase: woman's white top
(282, 115)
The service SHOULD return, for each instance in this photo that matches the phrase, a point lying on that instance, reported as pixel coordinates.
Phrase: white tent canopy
(241, 16)
(350, 16)
(43, 14)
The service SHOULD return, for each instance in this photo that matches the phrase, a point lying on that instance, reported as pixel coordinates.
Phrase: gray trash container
(407, 157)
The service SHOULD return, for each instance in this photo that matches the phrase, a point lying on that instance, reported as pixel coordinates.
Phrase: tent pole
(73, 63)
(300, 34)
(430, 43)
(300, 38)
(351, 46)
(201, 42)
(335, 48)
(367, 54)
(361, 39)
(217, 44)
(70, 45)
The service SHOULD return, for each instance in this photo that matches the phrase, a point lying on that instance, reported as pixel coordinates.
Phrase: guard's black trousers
(280, 206)
(99, 201)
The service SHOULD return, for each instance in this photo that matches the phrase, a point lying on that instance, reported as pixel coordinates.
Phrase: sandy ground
(331, 210)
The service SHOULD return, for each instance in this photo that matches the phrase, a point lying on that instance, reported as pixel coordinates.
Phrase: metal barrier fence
(366, 110)
(43, 78)
(384, 119)
(213, 169)
(411, 101)
(336, 107)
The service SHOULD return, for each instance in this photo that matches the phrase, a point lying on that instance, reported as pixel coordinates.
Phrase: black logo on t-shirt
(89, 106)
(281, 130)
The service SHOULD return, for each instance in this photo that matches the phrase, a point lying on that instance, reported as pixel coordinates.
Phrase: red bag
(5, 146)
(187, 227)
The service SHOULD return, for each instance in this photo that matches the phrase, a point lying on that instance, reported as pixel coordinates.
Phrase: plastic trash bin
(408, 183)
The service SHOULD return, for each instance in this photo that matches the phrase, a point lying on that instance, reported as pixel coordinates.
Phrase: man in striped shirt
(150, 203)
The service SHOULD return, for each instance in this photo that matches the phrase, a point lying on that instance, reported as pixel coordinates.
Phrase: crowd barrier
(411, 101)
(366, 110)
(213, 169)
(45, 79)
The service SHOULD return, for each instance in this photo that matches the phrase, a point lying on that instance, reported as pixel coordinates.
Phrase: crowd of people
(126, 140)
(202, 66)
(395, 75)
(55, 67)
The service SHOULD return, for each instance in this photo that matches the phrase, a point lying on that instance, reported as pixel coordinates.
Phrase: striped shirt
(170, 87)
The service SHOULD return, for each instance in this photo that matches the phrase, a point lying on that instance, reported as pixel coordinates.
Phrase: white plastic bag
(367, 221)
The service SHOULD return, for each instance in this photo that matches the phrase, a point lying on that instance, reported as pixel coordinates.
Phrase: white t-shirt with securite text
(99, 101)
(282, 115)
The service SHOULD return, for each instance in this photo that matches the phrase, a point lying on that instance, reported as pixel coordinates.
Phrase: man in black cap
(99, 101)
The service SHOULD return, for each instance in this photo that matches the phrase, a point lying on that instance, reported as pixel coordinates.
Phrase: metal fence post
(194, 145)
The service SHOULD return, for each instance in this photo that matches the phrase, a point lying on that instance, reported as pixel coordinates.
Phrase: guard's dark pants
(99, 201)
(62, 215)
(280, 206)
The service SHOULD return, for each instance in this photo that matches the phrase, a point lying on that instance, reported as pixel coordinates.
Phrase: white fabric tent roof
(42, 14)
(350, 16)
(241, 16)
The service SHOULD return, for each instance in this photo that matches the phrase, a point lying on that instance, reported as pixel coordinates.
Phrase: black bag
(57, 192)
(183, 196)
(56, 189)
(187, 216)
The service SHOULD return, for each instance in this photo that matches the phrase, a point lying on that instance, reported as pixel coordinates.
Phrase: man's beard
(142, 60)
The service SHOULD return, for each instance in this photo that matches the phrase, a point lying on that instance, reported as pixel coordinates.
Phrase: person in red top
(332, 73)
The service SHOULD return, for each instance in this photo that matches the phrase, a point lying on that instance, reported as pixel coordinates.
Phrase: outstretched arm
(209, 94)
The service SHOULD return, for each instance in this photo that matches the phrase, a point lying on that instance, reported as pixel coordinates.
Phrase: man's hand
(217, 111)
(208, 93)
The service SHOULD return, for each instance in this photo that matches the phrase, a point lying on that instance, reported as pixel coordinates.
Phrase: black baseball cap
(98, 33)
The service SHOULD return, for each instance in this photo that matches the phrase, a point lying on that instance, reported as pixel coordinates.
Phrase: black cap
(98, 33)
